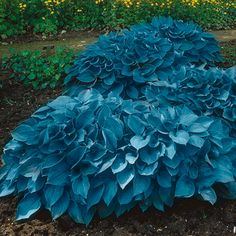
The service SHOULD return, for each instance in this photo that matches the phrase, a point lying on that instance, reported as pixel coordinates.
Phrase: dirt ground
(187, 217)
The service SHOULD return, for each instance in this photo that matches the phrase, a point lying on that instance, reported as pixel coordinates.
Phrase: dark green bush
(39, 69)
(51, 16)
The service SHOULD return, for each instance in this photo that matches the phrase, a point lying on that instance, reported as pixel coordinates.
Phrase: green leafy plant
(37, 68)
(11, 19)
(229, 51)
(50, 16)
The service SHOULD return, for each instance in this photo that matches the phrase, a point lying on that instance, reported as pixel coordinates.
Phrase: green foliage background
(51, 16)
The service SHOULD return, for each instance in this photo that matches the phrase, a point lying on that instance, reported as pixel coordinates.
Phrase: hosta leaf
(148, 169)
(6, 188)
(136, 124)
(197, 128)
(180, 137)
(184, 187)
(60, 102)
(94, 196)
(110, 192)
(216, 129)
(119, 165)
(24, 133)
(81, 186)
(126, 195)
(208, 194)
(131, 158)
(84, 119)
(58, 175)
(106, 165)
(28, 206)
(166, 195)
(87, 77)
(139, 142)
(75, 156)
(75, 212)
(157, 202)
(164, 179)
(141, 184)
(132, 92)
(115, 126)
(187, 117)
(223, 174)
(149, 156)
(171, 150)
(125, 177)
(61, 206)
(52, 194)
(196, 141)
(3, 171)
(35, 185)
(110, 139)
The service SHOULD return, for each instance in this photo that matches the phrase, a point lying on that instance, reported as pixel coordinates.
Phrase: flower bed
(51, 16)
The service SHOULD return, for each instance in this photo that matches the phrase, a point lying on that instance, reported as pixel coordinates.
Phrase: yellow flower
(22, 6)
(98, 1)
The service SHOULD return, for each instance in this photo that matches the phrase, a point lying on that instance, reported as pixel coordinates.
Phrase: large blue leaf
(28, 206)
(110, 139)
(139, 142)
(75, 212)
(164, 179)
(187, 117)
(81, 186)
(24, 133)
(184, 187)
(126, 195)
(52, 194)
(119, 164)
(141, 184)
(149, 156)
(94, 196)
(61, 206)
(125, 177)
(6, 188)
(136, 124)
(180, 137)
(110, 192)
(208, 194)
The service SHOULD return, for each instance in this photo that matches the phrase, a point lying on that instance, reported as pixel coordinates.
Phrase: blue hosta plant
(123, 61)
(146, 119)
(91, 154)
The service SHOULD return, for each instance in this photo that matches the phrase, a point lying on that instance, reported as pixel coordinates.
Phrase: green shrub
(11, 19)
(51, 16)
(39, 69)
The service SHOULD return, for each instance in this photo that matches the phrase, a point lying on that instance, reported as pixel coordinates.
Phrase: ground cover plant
(39, 69)
(49, 17)
(105, 150)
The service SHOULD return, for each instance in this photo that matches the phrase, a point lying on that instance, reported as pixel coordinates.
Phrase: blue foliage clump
(145, 53)
(157, 122)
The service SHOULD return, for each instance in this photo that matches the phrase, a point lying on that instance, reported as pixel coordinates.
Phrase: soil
(186, 217)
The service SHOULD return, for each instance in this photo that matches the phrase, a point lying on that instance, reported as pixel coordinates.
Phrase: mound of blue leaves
(147, 52)
(146, 118)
